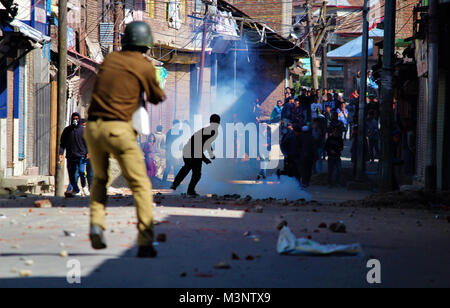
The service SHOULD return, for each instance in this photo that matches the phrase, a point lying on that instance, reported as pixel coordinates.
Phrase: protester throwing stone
(193, 155)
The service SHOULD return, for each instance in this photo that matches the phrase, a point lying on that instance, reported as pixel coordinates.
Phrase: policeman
(120, 80)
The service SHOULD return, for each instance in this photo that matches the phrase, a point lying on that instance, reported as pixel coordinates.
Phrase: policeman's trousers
(118, 138)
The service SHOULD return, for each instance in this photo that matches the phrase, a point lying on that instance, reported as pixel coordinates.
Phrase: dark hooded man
(76, 154)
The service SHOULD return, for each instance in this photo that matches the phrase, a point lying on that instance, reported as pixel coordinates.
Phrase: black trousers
(194, 164)
(306, 170)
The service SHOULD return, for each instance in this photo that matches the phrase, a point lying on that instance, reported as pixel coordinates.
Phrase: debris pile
(405, 199)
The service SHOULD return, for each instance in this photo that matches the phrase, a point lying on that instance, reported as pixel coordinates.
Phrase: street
(411, 244)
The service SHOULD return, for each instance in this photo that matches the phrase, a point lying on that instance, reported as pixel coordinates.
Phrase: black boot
(97, 238)
(192, 193)
(147, 252)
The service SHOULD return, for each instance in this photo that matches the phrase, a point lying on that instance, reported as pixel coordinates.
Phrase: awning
(78, 59)
(353, 48)
(29, 32)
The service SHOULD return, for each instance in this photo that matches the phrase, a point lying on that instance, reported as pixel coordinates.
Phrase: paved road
(411, 245)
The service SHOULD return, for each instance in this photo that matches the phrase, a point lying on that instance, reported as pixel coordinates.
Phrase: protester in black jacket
(73, 143)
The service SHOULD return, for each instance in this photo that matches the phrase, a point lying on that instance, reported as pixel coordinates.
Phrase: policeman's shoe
(146, 252)
(97, 238)
(173, 187)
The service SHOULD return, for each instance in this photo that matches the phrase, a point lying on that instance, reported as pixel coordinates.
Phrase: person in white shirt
(314, 106)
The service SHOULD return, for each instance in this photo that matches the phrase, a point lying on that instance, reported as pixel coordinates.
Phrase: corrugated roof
(353, 48)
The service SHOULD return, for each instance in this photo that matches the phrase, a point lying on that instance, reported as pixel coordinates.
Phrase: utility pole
(387, 98)
(361, 162)
(433, 71)
(118, 18)
(62, 91)
(315, 41)
(325, 63)
(312, 54)
(202, 64)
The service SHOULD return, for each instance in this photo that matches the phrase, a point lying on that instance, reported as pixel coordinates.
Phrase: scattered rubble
(63, 254)
(161, 237)
(204, 275)
(249, 258)
(234, 256)
(25, 273)
(158, 198)
(69, 233)
(338, 227)
(43, 203)
(281, 225)
(29, 262)
(222, 265)
(258, 209)
(404, 199)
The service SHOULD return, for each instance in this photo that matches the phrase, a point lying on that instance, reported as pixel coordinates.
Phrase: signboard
(225, 24)
(421, 57)
(306, 64)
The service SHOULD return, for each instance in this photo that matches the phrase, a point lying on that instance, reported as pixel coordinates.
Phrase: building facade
(25, 92)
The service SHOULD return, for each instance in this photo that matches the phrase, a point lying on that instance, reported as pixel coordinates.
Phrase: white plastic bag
(289, 244)
(140, 118)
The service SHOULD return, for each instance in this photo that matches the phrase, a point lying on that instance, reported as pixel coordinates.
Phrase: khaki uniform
(121, 78)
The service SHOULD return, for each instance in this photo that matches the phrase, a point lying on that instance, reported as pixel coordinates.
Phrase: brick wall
(93, 14)
(177, 104)
(269, 11)
(30, 140)
(404, 18)
(271, 84)
(162, 33)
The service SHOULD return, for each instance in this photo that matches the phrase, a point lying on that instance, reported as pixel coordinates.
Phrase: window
(174, 14)
(151, 8)
(183, 10)
(198, 5)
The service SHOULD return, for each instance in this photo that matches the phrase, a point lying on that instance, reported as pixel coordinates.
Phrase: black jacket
(307, 146)
(72, 141)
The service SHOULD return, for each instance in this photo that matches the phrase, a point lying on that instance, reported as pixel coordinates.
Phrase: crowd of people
(157, 148)
(314, 125)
